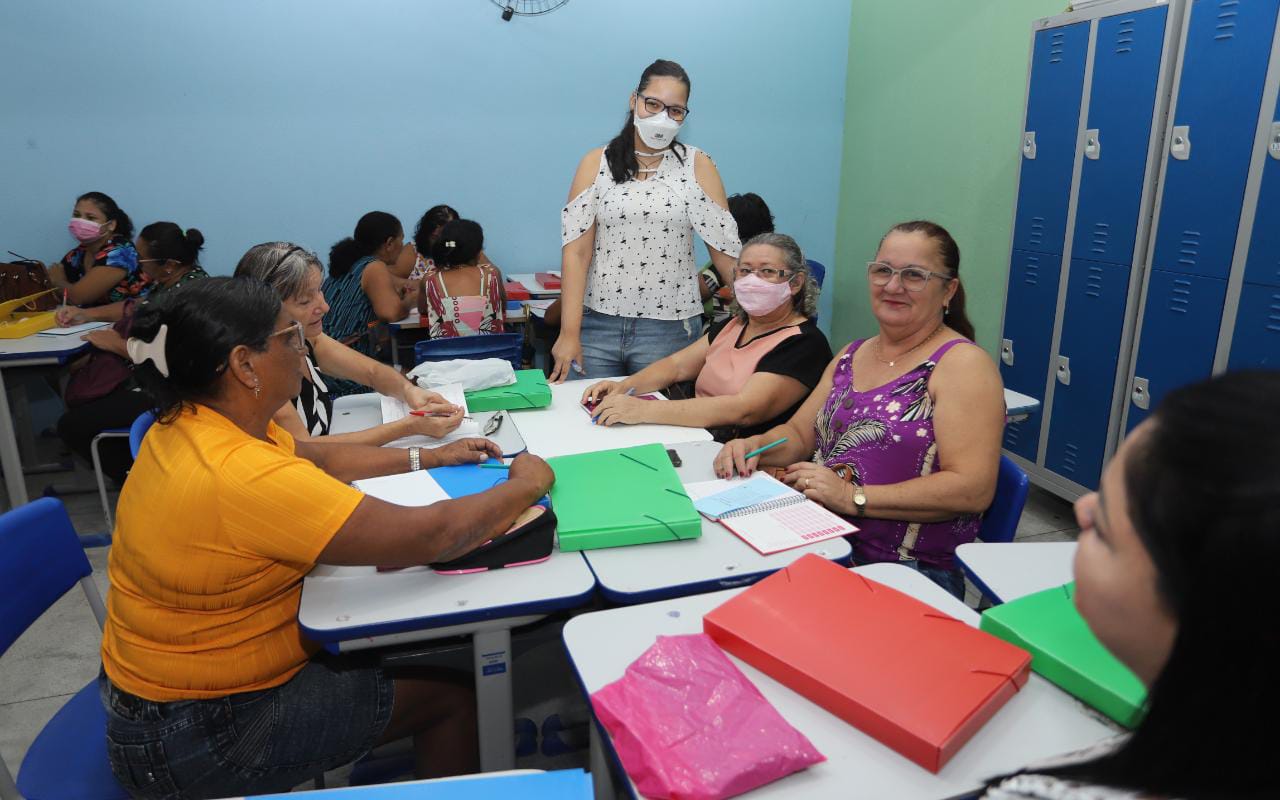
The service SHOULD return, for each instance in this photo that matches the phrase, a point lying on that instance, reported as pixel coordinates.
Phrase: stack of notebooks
(620, 497)
(766, 513)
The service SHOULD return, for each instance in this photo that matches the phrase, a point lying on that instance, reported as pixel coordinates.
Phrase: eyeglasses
(299, 340)
(912, 278)
(655, 106)
(771, 274)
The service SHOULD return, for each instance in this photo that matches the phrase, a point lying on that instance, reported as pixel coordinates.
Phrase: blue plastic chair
(490, 345)
(40, 559)
(1000, 523)
(818, 270)
(139, 429)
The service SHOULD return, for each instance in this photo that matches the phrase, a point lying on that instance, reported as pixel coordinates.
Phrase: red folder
(920, 681)
(517, 291)
(547, 280)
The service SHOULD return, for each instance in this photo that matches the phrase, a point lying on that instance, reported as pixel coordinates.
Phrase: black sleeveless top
(314, 402)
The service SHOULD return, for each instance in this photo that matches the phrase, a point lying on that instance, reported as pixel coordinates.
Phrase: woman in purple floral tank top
(903, 433)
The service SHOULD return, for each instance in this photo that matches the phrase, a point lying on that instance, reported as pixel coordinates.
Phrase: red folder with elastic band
(916, 679)
(547, 281)
(517, 291)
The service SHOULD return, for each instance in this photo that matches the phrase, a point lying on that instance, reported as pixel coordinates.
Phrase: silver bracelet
(415, 459)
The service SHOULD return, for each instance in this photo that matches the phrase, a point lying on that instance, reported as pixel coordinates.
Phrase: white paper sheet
(394, 409)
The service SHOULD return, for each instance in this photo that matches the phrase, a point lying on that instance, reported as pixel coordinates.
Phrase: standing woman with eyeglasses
(902, 435)
(630, 283)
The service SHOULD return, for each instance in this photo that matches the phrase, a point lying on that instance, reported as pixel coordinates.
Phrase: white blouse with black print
(643, 264)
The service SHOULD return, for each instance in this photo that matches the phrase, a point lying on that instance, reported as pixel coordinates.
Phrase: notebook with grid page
(766, 513)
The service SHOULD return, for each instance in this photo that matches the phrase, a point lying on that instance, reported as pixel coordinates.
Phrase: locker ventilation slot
(1055, 48)
(1069, 455)
(1124, 36)
(1037, 230)
(1180, 302)
(1226, 28)
(1101, 231)
(1032, 274)
(1273, 319)
(1190, 249)
(1093, 282)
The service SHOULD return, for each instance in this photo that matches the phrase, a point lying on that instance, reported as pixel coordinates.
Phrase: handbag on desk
(23, 278)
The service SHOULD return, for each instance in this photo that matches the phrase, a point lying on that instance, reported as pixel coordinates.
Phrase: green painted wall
(932, 116)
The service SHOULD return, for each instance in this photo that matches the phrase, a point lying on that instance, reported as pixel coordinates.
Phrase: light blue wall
(288, 119)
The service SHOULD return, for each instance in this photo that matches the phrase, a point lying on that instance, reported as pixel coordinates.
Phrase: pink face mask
(757, 296)
(85, 230)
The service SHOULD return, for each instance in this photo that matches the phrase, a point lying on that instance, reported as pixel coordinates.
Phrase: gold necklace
(879, 352)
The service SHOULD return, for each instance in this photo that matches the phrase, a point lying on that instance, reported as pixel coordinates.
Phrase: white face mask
(657, 131)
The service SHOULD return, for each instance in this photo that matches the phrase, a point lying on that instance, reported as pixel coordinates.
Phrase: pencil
(760, 450)
(495, 466)
(434, 414)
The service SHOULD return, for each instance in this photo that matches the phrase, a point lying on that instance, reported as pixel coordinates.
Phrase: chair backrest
(139, 429)
(818, 270)
(1000, 523)
(490, 345)
(40, 559)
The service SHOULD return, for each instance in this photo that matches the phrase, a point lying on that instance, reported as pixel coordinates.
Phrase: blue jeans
(950, 579)
(331, 713)
(625, 345)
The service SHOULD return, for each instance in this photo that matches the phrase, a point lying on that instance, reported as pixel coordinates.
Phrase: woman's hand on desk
(108, 340)
(821, 485)
(622, 408)
(731, 462)
(600, 390)
(533, 469)
(419, 399)
(465, 451)
(70, 315)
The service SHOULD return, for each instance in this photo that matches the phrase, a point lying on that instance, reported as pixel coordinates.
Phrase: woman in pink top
(752, 371)
(460, 296)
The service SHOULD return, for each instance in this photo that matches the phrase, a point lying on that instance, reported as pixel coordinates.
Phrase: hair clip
(140, 350)
(450, 244)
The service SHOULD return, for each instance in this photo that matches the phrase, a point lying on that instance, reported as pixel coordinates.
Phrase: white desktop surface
(1038, 722)
(564, 427)
(716, 560)
(1013, 569)
(530, 282)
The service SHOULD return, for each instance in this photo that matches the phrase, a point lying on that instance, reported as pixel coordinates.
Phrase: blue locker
(1126, 69)
(1090, 345)
(1179, 334)
(1263, 265)
(1255, 344)
(1053, 116)
(1028, 325)
(1228, 46)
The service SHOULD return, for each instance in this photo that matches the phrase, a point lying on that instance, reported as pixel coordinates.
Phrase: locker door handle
(1092, 144)
(1141, 394)
(1064, 370)
(1006, 351)
(1029, 145)
(1273, 148)
(1180, 144)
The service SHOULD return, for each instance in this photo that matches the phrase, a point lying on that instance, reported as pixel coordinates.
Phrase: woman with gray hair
(296, 275)
(753, 370)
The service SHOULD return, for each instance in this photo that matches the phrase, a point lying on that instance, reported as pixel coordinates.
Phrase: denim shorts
(331, 713)
(619, 346)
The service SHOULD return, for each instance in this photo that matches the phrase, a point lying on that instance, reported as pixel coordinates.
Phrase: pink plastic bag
(688, 725)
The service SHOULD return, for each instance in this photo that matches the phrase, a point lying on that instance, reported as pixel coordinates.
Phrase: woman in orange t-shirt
(209, 686)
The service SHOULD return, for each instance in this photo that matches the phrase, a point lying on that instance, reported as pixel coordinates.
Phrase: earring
(946, 310)
(257, 389)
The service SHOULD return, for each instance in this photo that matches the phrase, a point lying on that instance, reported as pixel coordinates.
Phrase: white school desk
(716, 560)
(530, 282)
(29, 351)
(1038, 722)
(1019, 406)
(564, 427)
(1005, 571)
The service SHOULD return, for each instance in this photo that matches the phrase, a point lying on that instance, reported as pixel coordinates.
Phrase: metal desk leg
(14, 481)
(495, 710)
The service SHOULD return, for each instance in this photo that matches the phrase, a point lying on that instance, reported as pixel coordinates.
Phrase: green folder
(618, 497)
(529, 391)
(1066, 652)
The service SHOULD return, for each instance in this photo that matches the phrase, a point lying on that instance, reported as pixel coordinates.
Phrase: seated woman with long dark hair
(1191, 499)
(210, 688)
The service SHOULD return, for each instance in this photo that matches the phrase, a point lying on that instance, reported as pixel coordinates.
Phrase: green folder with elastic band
(529, 391)
(620, 497)
(1066, 652)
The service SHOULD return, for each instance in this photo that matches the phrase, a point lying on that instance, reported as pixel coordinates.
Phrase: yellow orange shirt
(215, 530)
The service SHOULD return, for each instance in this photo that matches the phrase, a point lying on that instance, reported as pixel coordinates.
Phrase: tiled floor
(59, 654)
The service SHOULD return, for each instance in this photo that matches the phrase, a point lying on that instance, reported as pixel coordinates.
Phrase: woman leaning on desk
(902, 434)
(296, 276)
(630, 294)
(752, 370)
(1164, 579)
(210, 688)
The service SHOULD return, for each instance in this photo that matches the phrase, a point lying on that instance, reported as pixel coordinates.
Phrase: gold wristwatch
(859, 500)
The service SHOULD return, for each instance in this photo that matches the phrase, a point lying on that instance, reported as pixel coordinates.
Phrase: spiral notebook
(766, 513)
